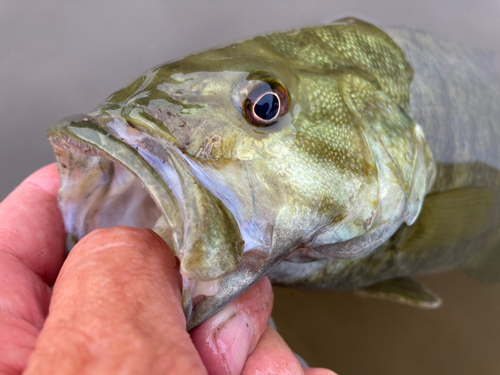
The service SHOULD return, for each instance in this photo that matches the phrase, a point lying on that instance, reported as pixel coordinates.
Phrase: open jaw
(112, 174)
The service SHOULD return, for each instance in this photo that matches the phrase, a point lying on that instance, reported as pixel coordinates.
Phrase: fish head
(240, 155)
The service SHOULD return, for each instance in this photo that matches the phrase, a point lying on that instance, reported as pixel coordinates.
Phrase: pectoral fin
(403, 290)
(449, 218)
(485, 266)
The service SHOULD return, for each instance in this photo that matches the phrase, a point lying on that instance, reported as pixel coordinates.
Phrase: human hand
(116, 303)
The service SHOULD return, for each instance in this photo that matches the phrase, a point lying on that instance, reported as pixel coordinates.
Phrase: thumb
(116, 308)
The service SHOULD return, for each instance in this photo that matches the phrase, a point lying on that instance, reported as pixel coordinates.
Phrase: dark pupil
(267, 107)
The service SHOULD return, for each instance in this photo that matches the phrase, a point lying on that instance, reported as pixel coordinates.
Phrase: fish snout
(115, 174)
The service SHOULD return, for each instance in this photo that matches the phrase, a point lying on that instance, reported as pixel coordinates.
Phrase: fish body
(454, 97)
(302, 152)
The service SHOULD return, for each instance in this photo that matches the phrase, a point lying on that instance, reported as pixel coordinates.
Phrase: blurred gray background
(59, 58)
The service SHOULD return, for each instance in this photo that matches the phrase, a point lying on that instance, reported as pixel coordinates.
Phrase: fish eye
(265, 104)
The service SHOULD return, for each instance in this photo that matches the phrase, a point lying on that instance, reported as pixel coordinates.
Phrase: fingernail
(233, 342)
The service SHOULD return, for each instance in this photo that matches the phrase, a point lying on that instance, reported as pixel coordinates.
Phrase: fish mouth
(113, 174)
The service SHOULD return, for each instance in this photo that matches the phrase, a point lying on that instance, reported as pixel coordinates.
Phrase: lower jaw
(102, 193)
(106, 185)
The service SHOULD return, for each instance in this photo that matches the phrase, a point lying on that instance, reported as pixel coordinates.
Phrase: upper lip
(206, 237)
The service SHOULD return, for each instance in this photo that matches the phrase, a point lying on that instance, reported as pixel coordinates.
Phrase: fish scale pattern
(358, 46)
(328, 149)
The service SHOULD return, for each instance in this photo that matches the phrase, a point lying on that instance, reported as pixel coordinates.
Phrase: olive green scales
(299, 154)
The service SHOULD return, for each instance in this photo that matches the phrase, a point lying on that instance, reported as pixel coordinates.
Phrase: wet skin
(324, 192)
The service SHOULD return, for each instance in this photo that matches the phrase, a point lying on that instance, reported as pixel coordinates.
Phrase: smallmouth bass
(300, 155)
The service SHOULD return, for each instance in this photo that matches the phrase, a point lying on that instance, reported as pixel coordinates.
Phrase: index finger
(31, 246)
(31, 226)
(31, 254)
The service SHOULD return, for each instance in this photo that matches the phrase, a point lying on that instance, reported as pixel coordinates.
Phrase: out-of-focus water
(354, 335)
(59, 58)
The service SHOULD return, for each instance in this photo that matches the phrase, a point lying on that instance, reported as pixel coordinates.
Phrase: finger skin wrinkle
(36, 186)
(31, 254)
(116, 303)
(25, 238)
(17, 342)
(272, 357)
(24, 217)
(23, 293)
(31, 226)
(250, 312)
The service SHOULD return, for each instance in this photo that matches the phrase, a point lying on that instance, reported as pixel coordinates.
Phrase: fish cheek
(404, 165)
(337, 165)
